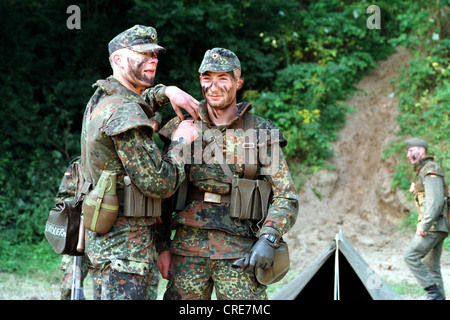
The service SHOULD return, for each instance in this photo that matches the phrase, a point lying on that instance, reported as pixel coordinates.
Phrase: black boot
(434, 293)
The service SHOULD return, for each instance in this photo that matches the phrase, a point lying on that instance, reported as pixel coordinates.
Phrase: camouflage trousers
(113, 285)
(194, 278)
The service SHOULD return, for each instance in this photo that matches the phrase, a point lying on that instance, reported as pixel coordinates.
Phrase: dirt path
(357, 197)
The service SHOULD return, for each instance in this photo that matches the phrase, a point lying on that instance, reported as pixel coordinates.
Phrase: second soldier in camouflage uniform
(117, 136)
(207, 240)
(429, 192)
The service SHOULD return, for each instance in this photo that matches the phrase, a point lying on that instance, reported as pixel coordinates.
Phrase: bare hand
(182, 100)
(164, 260)
(187, 130)
(420, 232)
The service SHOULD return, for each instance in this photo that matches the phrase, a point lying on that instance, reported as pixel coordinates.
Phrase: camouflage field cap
(416, 142)
(138, 38)
(219, 60)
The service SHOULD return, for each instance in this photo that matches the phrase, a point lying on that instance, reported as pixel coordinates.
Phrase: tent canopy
(339, 273)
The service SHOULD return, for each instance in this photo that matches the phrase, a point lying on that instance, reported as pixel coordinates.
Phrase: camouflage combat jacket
(206, 229)
(430, 206)
(117, 136)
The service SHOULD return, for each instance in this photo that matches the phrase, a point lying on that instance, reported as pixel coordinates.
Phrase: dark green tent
(339, 273)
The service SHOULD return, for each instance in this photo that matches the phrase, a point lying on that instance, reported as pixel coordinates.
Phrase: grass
(32, 272)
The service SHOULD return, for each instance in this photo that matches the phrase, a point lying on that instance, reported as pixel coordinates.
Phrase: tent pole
(336, 270)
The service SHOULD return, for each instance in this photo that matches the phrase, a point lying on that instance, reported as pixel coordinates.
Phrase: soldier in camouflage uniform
(118, 136)
(207, 240)
(429, 192)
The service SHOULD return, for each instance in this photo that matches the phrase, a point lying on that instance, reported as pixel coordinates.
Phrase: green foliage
(330, 51)
(423, 89)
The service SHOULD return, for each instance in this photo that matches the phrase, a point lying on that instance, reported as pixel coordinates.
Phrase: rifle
(77, 288)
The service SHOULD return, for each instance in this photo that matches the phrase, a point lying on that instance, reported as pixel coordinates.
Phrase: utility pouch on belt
(137, 204)
(101, 206)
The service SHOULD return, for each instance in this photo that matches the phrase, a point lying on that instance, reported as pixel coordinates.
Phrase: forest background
(300, 60)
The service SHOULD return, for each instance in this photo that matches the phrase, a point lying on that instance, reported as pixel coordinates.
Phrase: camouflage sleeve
(434, 200)
(156, 97)
(155, 174)
(283, 210)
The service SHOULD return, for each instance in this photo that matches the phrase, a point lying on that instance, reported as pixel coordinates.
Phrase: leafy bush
(333, 51)
(423, 89)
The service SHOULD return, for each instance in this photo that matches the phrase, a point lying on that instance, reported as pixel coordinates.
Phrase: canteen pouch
(137, 204)
(250, 199)
(281, 264)
(101, 206)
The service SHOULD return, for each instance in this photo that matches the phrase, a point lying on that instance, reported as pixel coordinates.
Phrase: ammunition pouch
(250, 199)
(137, 204)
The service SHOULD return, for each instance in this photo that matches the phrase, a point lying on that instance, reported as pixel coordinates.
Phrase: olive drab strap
(249, 147)
(210, 140)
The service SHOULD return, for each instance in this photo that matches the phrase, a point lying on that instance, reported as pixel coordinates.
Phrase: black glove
(261, 255)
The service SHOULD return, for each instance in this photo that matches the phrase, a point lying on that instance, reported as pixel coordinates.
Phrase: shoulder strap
(210, 140)
(249, 146)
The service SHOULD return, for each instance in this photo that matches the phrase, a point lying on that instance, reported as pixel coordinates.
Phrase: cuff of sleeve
(269, 230)
(163, 100)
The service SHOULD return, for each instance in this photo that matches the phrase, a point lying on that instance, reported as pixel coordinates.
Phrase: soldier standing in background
(429, 194)
(207, 240)
(117, 136)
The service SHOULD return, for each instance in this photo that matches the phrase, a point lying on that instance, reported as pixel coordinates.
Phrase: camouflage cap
(416, 142)
(219, 60)
(138, 38)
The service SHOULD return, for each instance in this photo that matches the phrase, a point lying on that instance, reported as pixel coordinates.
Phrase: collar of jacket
(242, 108)
(112, 86)
(422, 162)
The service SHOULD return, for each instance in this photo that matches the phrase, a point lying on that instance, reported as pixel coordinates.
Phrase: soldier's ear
(117, 59)
(240, 83)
